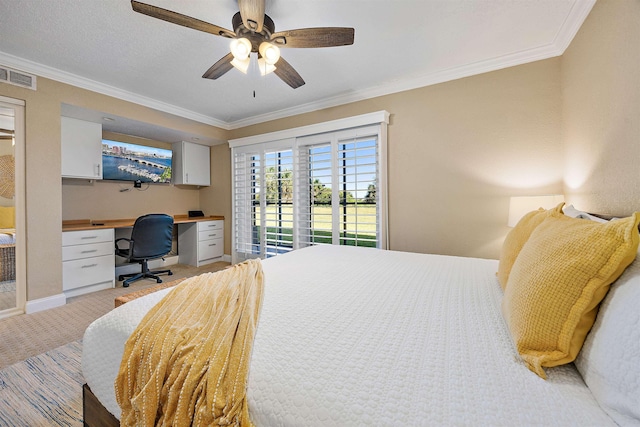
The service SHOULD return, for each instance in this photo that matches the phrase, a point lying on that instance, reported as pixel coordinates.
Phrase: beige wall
(216, 199)
(601, 110)
(458, 150)
(44, 189)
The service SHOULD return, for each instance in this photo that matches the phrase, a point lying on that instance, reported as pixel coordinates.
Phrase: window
(339, 202)
(325, 188)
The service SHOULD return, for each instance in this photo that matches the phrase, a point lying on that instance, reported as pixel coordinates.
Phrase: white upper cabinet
(191, 164)
(81, 149)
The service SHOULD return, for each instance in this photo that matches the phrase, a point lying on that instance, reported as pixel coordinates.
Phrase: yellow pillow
(517, 237)
(556, 284)
(7, 217)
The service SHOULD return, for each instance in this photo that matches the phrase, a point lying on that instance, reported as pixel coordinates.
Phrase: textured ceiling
(104, 46)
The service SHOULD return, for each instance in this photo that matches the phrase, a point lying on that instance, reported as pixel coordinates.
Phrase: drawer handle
(212, 244)
(89, 265)
(88, 252)
(212, 235)
(89, 237)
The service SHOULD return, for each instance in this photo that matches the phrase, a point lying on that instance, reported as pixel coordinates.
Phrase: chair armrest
(123, 238)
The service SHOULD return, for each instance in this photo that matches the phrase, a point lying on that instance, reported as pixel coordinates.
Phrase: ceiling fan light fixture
(265, 67)
(241, 64)
(240, 48)
(269, 52)
(259, 29)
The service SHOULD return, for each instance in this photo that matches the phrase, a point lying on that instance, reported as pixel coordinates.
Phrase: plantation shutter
(314, 211)
(247, 174)
(341, 197)
(358, 172)
(277, 209)
(309, 186)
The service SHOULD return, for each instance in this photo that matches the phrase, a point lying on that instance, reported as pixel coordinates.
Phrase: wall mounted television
(122, 161)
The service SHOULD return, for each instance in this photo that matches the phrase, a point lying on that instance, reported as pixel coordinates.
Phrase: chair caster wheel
(121, 278)
(158, 280)
(125, 285)
(170, 274)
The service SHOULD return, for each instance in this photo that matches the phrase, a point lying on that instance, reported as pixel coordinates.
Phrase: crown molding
(95, 86)
(578, 13)
(571, 25)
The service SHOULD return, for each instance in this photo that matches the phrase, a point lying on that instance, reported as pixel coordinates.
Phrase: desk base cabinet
(87, 261)
(201, 243)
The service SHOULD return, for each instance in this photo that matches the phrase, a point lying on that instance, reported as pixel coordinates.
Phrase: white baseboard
(46, 303)
(226, 258)
(91, 288)
(10, 312)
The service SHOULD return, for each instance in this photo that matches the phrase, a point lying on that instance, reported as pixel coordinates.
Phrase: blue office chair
(151, 238)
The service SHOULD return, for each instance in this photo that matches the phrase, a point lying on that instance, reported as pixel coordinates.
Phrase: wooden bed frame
(94, 414)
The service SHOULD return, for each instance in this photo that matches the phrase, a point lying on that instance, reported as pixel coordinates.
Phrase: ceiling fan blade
(252, 12)
(314, 37)
(219, 68)
(180, 19)
(288, 74)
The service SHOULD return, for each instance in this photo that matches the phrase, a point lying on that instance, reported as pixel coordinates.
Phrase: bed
(357, 336)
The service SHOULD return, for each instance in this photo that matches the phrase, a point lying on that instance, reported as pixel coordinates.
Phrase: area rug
(44, 390)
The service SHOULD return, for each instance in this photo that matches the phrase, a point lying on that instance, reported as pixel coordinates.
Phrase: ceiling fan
(254, 31)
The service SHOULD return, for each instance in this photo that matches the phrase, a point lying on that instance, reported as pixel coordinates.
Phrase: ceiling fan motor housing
(254, 37)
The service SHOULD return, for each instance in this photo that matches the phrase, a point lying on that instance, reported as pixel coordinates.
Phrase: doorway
(12, 208)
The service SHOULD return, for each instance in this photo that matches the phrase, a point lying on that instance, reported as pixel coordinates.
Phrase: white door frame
(18, 107)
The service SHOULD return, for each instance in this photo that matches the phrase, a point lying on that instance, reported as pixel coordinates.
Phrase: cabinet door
(195, 161)
(88, 271)
(81, 148)
(210, 249)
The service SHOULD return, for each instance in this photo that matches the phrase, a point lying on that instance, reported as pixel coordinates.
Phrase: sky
(160, 152)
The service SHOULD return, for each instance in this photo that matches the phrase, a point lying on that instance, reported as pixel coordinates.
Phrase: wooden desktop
(87, 224)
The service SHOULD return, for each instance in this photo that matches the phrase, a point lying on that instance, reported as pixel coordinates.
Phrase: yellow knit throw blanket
(187, 362)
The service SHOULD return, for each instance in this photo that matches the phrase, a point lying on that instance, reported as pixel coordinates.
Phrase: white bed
(355, 336)
(7, 236)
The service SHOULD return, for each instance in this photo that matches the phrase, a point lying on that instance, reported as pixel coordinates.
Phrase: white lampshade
(522, 205)
(265, 68)
(269, 52)
(240, 48)
(241, 64)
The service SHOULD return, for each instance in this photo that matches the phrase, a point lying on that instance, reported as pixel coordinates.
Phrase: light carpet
(28, 335)
(44, 390)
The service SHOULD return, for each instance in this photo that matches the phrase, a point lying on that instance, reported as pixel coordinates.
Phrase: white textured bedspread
(354, 336)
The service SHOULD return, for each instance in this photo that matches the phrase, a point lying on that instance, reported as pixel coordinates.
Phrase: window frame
(372, 124)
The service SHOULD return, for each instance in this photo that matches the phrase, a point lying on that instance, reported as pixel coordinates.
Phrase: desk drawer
(84, 272)
(83, 237)
(210, 234)
(210, 249)
(210, 225)
(86, 251)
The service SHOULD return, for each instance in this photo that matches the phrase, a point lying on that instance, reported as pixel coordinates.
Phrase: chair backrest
(152, 236)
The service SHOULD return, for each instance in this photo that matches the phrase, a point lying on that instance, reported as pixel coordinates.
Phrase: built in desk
(88, 260)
